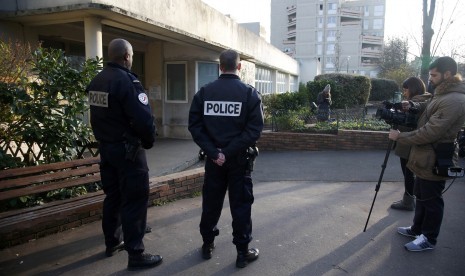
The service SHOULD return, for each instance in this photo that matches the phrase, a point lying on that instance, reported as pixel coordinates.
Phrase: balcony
(371, 53)
(292, 22)
(289, 42)
(291, 34)
(369, 63)
(371, 39)
(291, 10)
(348, 13)
(353, 24)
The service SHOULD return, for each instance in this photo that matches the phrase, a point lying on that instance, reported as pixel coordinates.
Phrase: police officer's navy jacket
(226, 114)
(119, 105)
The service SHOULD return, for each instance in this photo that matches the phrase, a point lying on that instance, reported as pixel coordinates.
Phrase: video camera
(392, 114)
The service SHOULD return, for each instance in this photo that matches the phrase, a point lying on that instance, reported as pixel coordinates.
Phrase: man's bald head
(120, 51)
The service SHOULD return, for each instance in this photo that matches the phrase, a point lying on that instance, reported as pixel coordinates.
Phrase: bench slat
(36, 209)
(50, 186)
(33, 179)
(56, 210)
(19, 212)
(47, 167)
(46, 214)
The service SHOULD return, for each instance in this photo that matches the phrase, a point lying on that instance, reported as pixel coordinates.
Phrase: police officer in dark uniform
(123, 124)
(225, 120)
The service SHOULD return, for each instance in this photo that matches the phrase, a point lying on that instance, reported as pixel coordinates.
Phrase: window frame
(167, 100)
(197, 86)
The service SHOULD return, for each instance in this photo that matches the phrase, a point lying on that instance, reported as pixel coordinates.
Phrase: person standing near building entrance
(123, 124)
(225, 120)
(440, 120)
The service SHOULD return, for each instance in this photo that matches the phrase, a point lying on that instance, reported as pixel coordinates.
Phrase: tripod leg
(379, 180)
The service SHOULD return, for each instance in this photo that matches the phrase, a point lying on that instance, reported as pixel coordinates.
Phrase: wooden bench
(21, 225)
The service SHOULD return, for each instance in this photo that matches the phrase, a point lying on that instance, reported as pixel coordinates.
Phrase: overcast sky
(403, 19)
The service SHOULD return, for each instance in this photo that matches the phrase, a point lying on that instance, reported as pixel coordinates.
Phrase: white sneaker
(407, 231)
(419, 244)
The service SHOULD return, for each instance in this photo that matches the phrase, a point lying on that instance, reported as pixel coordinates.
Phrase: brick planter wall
(180, 184)
(343, 140)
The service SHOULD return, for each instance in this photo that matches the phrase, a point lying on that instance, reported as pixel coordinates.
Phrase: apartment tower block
(330, 36)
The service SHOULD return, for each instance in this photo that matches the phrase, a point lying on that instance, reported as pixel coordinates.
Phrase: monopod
(383, 167)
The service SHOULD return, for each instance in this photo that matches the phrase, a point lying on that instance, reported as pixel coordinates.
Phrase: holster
(132, 146)
(251, 155)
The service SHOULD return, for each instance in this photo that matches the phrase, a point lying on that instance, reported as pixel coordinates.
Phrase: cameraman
(440, 120)
(413, 90)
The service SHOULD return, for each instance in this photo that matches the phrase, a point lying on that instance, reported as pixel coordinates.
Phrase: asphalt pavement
(309, 214)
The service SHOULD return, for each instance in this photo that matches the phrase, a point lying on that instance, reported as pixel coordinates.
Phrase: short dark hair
(229, 59)
(414, 85)
(444, 64)
(118, 48)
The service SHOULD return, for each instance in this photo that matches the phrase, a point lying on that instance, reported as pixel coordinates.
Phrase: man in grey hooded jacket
(440, 120)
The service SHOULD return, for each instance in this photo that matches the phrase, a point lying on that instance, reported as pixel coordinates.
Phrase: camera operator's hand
(406, 106)
(394, 134)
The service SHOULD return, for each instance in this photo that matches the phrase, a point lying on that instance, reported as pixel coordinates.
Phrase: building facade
(176, 46)
(329, 36)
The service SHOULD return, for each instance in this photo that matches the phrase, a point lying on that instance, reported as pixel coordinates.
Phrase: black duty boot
(207, 250)
(110, 251)
(407, 203)
(143, 260)
(245, 257)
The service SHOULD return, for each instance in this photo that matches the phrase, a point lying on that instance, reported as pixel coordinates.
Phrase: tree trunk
(428, 33)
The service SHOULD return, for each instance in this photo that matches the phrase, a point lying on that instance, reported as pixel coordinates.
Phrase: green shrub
(382, 89)
(346, 90)
(290, 121)
(51, 112)
(284, 102)
(8, 161)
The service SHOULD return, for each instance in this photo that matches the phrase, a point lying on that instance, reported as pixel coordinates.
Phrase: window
(331, 21)
(263, 80)
(377, 24)
(366, 24)
(320, 11)
(280, 82)
(319, 49)
(319, 36)
(320, 22)
(329, 62)
(332, 8)
(379, 10)
(176, 82)
(367, 11)
(330, 49)
(206, 73)
(293, 83)
(331, 35)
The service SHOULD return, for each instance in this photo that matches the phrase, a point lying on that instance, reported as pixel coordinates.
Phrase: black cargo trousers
(234, 177)
(126, 186)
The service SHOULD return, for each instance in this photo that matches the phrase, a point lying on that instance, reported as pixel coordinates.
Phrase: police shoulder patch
(143, 98)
